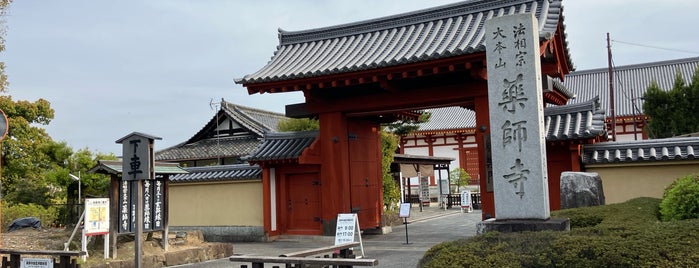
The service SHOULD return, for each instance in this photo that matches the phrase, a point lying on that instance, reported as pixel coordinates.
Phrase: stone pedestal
(509, 226)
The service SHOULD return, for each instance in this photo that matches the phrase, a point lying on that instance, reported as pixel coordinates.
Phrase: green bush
(10, 213)
(681, 199)
(617, 235)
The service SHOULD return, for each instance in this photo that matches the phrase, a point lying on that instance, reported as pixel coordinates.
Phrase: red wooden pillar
(266, 201)
(483, 136)
(334, 170)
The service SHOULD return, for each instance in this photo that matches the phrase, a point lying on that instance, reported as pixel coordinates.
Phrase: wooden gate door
(471, 156)
(303, 204)
(365, 173)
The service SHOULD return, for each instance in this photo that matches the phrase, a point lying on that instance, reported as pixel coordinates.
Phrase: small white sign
(347, 227)
(96, 216)
(36, 263)
(404, 211)
(466, 198)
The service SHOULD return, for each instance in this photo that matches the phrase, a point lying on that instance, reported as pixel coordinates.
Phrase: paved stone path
(425, 229)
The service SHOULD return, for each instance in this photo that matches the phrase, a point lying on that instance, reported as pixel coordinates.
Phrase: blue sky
(113, 67)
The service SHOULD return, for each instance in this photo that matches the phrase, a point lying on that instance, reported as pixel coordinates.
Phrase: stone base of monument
(509, 226)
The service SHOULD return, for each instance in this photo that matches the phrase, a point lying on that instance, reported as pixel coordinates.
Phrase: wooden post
(138, 233)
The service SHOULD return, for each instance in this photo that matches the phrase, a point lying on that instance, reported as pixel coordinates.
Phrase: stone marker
(520, 180)
(581, 189)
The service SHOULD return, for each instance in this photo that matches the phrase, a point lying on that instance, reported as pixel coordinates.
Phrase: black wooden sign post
(138, 165)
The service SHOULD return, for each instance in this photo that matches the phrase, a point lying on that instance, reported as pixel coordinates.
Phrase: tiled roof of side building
(671, 149)
(209, 148)
(282, 146)
(418, 36)
(630, 83)
(448, 118)
(219, 173)
(257, 120)
(567, 122)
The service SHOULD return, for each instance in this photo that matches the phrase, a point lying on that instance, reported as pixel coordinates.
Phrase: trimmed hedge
(618, 235)
(681, 199)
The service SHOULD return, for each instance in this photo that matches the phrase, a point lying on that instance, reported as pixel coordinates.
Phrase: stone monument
(518, 148)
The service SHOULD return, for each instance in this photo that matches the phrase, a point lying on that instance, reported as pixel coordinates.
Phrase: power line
(656, 47)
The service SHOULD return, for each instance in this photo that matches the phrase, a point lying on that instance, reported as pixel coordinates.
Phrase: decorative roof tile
(630, 82)
(219, 173)
(282, 146)
(670, 149)
(575, 121)
(423, 35)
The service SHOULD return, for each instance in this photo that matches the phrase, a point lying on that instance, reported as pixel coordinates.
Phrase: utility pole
(611, 87)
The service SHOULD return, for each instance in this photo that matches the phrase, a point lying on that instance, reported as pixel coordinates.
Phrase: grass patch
(619, 235)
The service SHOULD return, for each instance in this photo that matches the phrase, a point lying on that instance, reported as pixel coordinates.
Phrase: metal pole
(611, 87)
(79, 189)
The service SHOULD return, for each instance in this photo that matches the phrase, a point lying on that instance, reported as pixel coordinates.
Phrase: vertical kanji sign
(515, 100)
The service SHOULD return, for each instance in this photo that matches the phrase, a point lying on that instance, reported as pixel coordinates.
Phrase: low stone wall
(226, 233)
(209, 251)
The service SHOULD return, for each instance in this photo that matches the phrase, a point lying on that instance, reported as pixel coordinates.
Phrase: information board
(404, 211)
(347, 227)
(36, 263)
(153, 205)
(96, 216)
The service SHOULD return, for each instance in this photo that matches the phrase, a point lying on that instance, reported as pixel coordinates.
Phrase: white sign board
(466, 198)
(36, 263)
(96, 216)
(520, 179)
(347, 227)
(404, 211)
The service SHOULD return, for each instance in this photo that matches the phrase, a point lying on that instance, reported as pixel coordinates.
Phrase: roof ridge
(291, 134)
(243, 107)
(575, 107)
(636, 66)
(221, 167)
(682, 141)
(392, 21)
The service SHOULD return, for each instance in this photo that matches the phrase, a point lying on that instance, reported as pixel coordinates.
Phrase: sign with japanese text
(347, 227)
(36, 263)
(424, 193)
(137, 158)
(520, 180)
(96, 216)
(153, 205)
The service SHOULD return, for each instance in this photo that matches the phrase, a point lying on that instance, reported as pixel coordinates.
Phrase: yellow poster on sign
(96, 216)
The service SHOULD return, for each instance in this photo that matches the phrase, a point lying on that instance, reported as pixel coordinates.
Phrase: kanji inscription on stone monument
(515, 97)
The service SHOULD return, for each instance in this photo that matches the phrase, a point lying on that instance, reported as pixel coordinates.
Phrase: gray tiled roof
(219, 173)
(670, 149)
(205, 145)
(447, 118)
(630, 81)
(567, 122)
(575, 121)
(209, 149)
(256, 120)
(282, 146)
(435, 33)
